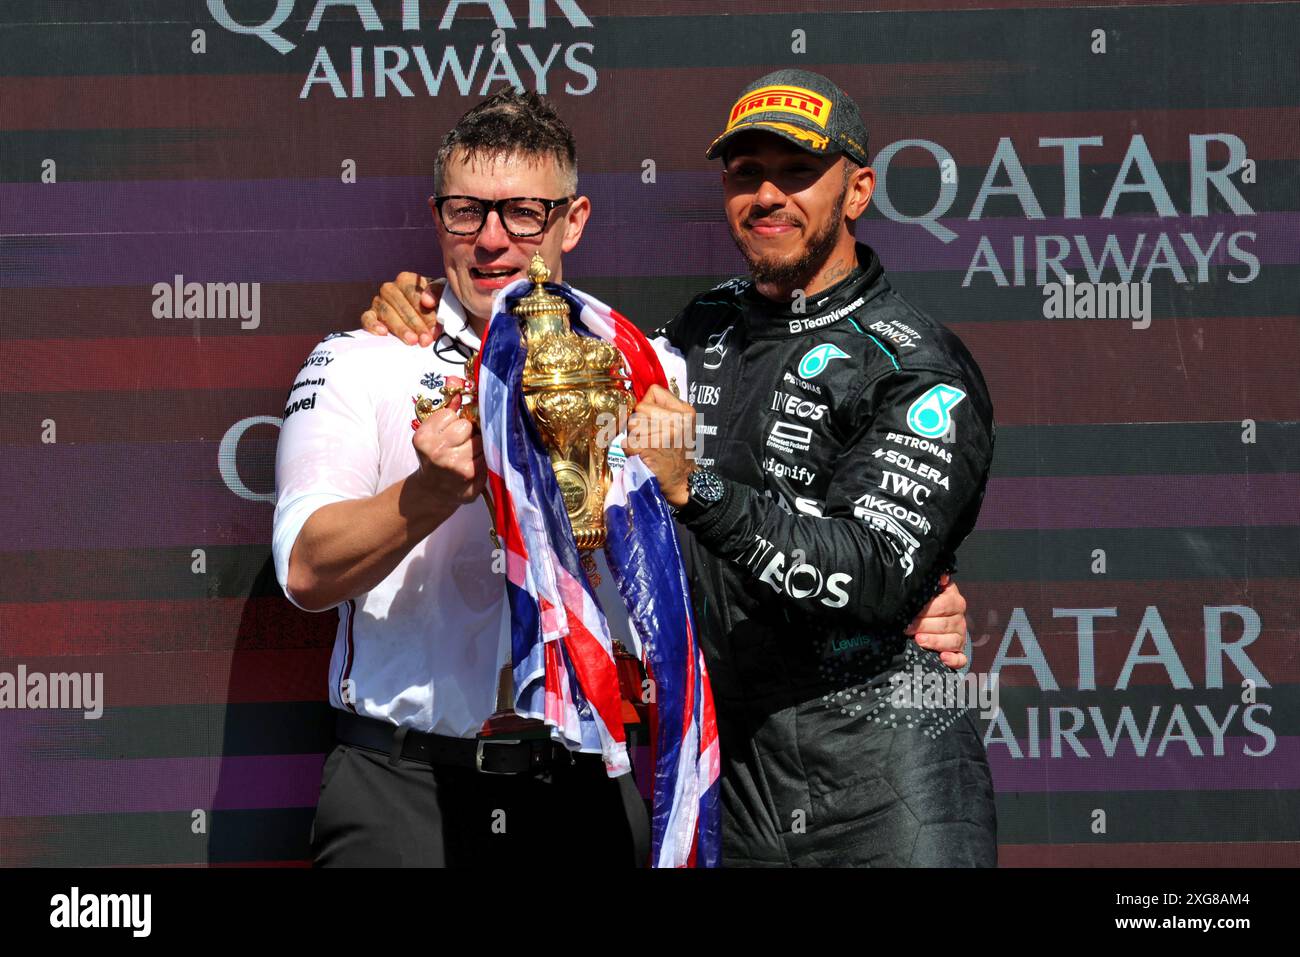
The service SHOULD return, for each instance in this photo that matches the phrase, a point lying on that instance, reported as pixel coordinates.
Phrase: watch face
(705, 486)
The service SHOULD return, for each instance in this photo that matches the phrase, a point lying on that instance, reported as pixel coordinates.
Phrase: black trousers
(375, 814)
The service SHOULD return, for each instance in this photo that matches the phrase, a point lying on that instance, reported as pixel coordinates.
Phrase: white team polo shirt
(424, 647)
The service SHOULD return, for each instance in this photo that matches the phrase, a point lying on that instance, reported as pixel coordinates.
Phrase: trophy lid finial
(545, 313)
(537, 271)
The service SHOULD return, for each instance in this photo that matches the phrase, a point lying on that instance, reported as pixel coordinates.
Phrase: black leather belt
(488, 755)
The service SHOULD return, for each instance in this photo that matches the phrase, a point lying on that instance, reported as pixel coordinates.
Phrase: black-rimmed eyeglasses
(522, 216)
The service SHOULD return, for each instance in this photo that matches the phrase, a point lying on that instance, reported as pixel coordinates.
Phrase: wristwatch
(704, 490)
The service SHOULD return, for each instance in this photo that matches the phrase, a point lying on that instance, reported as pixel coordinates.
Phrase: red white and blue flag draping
(562, 654)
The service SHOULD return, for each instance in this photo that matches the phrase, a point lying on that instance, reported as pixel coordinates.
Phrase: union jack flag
(561, 652)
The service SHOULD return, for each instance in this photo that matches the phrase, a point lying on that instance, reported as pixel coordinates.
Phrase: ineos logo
(798, 406)
(800, 579)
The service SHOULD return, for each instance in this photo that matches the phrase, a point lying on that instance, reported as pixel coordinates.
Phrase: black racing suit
(854, 437)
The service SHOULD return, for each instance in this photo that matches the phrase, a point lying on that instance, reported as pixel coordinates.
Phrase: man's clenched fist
(450, 450)
(662, 432)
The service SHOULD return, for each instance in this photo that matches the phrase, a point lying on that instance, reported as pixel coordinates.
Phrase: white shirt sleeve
(329, 446)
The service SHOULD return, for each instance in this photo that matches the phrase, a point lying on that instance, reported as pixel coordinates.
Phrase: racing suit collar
(765, 319)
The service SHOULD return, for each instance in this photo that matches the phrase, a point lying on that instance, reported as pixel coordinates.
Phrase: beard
(796, 269)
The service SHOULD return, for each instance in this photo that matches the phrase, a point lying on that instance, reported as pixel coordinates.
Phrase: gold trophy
(577, 390)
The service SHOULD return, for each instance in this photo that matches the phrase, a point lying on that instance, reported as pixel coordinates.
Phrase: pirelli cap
(806, 108)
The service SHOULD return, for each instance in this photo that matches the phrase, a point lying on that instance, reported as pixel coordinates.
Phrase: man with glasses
(369, 520)
(522, 216)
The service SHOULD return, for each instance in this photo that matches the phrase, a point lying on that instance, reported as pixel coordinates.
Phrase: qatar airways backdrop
(1100, 200)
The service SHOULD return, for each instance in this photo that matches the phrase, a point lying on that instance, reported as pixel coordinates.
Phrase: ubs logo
(705, 394)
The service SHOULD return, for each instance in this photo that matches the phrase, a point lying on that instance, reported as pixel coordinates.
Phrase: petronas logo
(817, 358)
(929, 416)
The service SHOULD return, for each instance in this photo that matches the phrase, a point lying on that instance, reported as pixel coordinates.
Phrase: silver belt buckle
(478, 754)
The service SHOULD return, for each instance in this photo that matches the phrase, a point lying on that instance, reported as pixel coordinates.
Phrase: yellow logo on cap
(815, 141)
(784, 99)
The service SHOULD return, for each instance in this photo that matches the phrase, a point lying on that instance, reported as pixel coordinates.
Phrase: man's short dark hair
(511, 123)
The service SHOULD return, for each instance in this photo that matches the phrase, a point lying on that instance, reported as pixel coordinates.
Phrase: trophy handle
(461, 398)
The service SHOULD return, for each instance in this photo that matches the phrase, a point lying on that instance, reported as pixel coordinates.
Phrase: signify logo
(75, 910)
